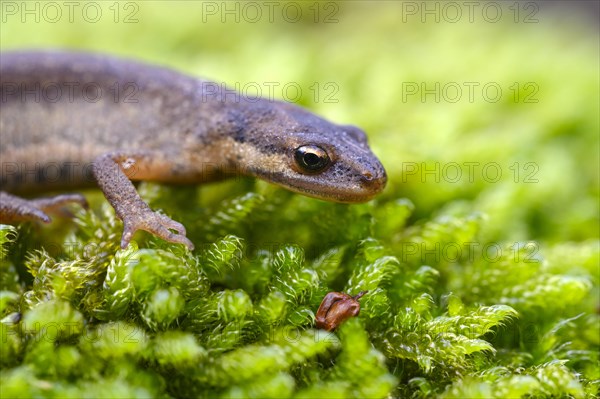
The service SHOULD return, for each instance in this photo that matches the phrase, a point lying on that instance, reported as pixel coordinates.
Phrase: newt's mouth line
(352, 195)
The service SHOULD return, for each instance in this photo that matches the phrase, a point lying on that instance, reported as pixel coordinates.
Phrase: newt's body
(72, 119)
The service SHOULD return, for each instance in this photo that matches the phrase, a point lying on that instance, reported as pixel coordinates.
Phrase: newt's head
(302, 152)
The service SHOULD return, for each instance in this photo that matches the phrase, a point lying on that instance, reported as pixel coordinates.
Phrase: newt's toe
(51, 204)
(35, 214)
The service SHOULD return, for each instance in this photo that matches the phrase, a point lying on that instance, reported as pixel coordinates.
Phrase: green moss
(478, 288)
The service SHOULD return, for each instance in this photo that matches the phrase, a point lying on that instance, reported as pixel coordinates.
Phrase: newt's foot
(16, 209)
(155, 223)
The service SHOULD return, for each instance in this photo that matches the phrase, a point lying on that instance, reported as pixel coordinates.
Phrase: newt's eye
(311, 158)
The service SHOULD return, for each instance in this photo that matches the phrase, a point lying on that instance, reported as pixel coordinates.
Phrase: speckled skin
(75, 119)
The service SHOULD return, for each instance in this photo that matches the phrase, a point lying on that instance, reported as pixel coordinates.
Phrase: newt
(70, 120)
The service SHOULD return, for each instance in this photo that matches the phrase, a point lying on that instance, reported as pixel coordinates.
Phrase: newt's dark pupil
(311, 158)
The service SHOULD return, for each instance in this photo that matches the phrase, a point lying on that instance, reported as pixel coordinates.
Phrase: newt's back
(61, 110)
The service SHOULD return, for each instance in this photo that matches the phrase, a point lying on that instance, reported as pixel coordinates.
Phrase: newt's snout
(374, 180)
(374, 177)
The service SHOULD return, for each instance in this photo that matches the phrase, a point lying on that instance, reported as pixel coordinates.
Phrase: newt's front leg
(113, 172)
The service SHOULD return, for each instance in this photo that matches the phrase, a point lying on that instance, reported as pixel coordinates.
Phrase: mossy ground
(484, 285)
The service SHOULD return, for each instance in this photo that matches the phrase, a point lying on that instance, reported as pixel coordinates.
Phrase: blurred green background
(421, 79)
